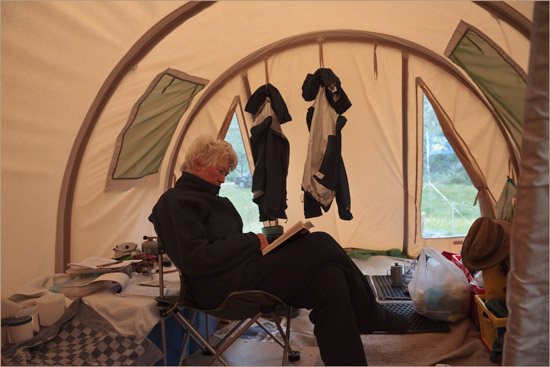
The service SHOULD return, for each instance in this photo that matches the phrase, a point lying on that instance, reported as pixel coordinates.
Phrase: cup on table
(396, 275)
(50, 308)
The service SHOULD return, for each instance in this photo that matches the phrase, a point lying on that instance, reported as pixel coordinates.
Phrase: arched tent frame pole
(140, 49)
(506, 13)
(146, 43)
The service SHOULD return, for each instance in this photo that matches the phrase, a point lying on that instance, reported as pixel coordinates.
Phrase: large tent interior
(90, 139)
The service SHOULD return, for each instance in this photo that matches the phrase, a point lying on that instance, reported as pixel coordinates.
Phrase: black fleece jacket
(202, 235)
(271, 152)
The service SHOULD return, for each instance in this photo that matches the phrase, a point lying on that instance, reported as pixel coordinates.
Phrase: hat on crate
(487, 243)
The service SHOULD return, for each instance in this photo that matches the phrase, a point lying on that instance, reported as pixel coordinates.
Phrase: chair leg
(288, 352)
(287, 336)
(236, 327)
(163, 338)
(207, 324)
(234, 337)
(278, 323)
(196, 334)
(186, 339)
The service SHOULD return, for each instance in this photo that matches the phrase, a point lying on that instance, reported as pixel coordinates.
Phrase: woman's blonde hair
(209, 151)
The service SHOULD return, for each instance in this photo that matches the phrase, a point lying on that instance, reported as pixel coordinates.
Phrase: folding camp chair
(245, 306)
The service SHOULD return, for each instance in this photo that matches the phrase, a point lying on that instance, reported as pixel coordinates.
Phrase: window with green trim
(152, 123)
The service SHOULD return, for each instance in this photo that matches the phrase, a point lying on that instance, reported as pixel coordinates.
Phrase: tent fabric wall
(58, 57)
(526, 341)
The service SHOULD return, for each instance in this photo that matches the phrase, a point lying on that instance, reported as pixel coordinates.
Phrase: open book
(86, 286)
(297, 230)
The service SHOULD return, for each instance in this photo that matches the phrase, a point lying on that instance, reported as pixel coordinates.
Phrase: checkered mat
(83, 337)
(417, 323)
(385, 291)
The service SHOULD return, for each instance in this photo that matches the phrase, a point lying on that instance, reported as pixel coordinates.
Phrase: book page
(297, 229)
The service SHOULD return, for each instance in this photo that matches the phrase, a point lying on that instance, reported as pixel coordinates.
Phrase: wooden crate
(491, 327)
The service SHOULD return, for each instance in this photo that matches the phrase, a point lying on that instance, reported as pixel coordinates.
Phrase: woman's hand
(263, 240)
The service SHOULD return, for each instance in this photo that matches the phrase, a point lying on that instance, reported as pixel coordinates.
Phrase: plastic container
(457, 260)
(20, 329)
(9, 308)
(491, 326)
(50, 308)
(31, 311)
(475, 289)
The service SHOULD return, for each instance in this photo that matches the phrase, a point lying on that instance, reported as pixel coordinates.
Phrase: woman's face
(214, 174)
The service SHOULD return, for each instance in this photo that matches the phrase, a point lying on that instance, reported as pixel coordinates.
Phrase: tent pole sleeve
(405, 138)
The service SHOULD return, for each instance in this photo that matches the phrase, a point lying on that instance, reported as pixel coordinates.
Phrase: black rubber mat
(385, 291)
(417, 323)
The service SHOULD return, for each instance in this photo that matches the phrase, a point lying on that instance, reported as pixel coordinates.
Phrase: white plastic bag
(439, 288)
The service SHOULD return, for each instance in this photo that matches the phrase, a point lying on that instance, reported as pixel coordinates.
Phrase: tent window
(447, 191)
(153, 120)
(238, 184)
(501, 80)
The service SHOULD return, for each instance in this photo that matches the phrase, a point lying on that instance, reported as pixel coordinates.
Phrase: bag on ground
(439, 288)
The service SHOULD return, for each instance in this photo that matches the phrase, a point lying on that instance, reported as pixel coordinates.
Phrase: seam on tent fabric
(246, 83)
(405, 146)
(417, 169)
(375, 62)
(341, 35)
(136, 53)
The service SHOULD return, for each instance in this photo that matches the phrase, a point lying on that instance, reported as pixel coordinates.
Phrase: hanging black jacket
(325, 175)
(270, 151)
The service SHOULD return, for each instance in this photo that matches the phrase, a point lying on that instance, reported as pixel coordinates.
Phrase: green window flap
(499, 78)
(152, 123)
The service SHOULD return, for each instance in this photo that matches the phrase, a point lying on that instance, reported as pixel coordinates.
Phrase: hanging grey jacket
(325, 175)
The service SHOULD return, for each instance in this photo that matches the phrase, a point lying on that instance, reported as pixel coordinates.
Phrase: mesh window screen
(152, 124)
(501, 80)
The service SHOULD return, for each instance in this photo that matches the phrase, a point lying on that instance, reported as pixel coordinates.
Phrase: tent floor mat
(417, 323)
(385, 291)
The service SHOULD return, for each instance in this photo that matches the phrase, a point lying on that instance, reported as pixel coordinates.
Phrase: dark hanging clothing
(270, 152)
(325, 176)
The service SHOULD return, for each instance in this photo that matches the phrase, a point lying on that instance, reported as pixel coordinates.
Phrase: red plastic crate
(448, 255)
(475, 289)
(457, 259)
